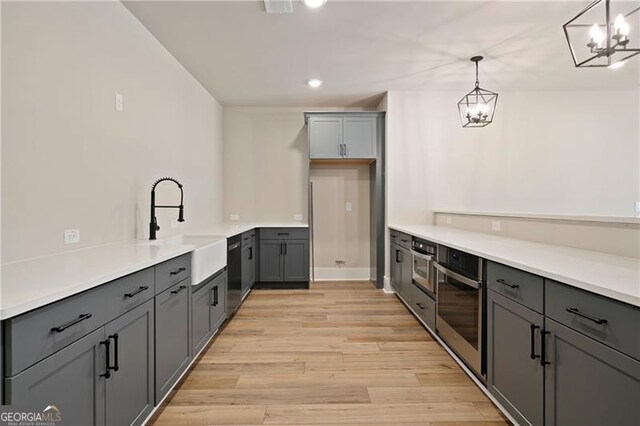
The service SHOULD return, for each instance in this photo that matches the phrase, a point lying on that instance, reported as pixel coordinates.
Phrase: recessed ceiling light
(314, 4)
(617, 65)
(314, 83)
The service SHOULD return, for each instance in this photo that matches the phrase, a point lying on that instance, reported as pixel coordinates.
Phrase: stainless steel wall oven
(460, 318)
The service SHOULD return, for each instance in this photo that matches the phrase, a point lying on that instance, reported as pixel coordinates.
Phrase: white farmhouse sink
(208, 256)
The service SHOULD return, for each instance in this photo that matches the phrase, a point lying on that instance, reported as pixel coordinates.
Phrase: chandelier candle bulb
(601, 34)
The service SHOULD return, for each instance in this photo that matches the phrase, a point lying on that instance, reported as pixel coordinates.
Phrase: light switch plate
(297, 216)
(234, 217)
(348, 207)
(71, 236)
(119, 102)
(495, 225)
(637, 208)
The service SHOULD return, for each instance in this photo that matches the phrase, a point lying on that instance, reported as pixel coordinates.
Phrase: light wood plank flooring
(340, 353)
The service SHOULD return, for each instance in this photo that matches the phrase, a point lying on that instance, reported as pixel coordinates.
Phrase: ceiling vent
(278, 6)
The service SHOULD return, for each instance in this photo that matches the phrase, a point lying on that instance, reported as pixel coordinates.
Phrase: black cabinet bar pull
(107, 373)
(114, 336)
(501, 281)
(420, 305)
(62, 328)
(397, 256)
(532, 354)
(543, 347)
(215, 296)
(179, 289)
(250, 253)
(139, 290)
(575, 311)
(177, 271)
(283, 233)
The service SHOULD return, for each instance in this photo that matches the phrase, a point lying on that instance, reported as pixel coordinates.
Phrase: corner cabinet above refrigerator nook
(347, 135)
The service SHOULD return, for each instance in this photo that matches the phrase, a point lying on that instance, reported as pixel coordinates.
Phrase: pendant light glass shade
(477, 107)
(605, 34)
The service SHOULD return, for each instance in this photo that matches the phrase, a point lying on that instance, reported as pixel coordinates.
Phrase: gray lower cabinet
(296, 260)
(218, 301)
(201, 316)
(401, 272)
(171, 336)
(129, 389)
(396, 268)
(284, 255)
(71, 380)
(271, 265)
(515, 375)
(588, 383)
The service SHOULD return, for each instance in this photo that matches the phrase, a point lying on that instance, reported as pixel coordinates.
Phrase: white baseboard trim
(387, 286)
(342, 274)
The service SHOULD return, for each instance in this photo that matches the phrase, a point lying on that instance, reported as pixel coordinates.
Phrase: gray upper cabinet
(71, 380)
(587, 382)
(172, 336)
(325, 137)
(515, 375)
(359, 137)
(129, 390)
(343, 135)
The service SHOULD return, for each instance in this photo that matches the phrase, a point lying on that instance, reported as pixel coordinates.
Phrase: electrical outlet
(348, 207)
(637, 208)
(119, 102)
(297, 216)
(449, 220)
(71, 236)
(495, 225)
(234, 217)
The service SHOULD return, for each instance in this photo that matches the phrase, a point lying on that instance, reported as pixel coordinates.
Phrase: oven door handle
(421, 256)
(461, 278)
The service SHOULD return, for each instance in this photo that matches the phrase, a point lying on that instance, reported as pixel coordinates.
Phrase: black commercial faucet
(153, 225)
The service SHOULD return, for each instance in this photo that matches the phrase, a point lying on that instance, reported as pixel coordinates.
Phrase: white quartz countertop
(229, 229)
(615, 277)
(33, 283)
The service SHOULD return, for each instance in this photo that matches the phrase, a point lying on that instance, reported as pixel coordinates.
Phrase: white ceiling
(244, 56)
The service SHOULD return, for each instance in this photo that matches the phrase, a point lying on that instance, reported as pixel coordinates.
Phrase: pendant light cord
(477, 79)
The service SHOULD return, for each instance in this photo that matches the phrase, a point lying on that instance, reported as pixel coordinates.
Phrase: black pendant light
(477, 107)
(602, 36)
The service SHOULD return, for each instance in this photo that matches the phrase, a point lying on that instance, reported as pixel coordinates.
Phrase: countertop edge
(15, 310)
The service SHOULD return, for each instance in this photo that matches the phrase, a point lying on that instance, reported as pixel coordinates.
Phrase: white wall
(69, 160)
(573, 153)
(546, 152)
(266, 162)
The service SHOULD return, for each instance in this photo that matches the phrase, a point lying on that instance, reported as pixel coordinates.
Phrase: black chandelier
(477, 107)
(601, 36)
